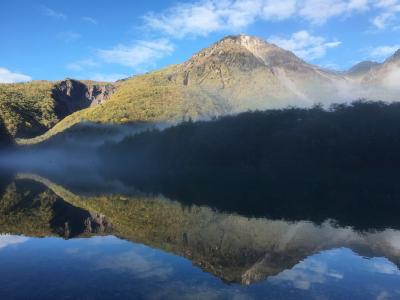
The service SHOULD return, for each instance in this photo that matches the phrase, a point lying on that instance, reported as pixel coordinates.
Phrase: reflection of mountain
(232, 247)
(32, 209)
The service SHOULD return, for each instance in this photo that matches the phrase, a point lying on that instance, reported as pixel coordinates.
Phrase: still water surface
(59, 241)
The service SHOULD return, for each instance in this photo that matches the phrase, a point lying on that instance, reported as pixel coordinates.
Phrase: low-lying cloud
(7, 76)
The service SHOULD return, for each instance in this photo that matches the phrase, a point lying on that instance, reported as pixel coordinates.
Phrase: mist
(73, 151)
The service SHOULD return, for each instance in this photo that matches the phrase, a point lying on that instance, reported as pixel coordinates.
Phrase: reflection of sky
(110, 268)
(342, 269)
(8, 240)
(307, 273)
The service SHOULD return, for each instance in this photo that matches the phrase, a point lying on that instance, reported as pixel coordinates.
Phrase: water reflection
(236, 249)
(111, 268)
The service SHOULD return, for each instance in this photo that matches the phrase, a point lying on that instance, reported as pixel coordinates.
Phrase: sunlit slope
(155, 97)
(27, 108)
(31, 109)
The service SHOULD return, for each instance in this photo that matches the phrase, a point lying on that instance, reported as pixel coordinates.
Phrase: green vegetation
(154, 97)
(30, 208)
(359, 134)
(30, 109)
(27, 109)
(27, 210)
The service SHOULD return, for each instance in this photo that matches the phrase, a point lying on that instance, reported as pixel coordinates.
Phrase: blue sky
(108, 40)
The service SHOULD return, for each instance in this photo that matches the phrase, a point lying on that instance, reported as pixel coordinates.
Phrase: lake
(83, 236)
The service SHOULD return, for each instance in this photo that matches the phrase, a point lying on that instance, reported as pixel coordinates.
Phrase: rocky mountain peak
(247, 52)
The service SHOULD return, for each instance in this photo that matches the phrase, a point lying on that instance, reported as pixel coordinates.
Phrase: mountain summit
(245, 71)
(244, 51)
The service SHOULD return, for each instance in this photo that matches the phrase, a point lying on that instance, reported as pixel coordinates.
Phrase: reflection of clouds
(140, 264)
(391, 238)
(383, 266)
(306, 273)
(107, 239)
(7, 240)
(72, 250)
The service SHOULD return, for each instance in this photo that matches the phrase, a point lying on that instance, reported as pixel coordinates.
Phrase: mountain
(30, 109)
(384, 78)
(236, 74)
(362, 68)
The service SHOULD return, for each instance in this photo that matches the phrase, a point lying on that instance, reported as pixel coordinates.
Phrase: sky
(109, 40)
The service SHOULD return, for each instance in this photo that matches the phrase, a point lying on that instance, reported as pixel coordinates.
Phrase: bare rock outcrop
(72, 95)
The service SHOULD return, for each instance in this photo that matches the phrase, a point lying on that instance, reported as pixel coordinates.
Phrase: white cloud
(90, 20)
(107, 77)
(7, 240)
(383, 266)
(320, 11)
(383, 51)
(307, 273)
(196, 19)
(381, 21)
(80, 65)
(7, 76)
(281, 10)
(389, 10)
(305, 45)
(204, 17)
(53, 14)
(142, 265)
(139, 54)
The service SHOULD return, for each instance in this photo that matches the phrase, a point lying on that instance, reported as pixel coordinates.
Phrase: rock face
(72, 95)
(248, 73)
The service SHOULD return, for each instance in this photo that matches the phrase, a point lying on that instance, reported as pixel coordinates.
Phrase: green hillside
(27, 109)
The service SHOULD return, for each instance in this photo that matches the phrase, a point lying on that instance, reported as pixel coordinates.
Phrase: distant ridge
(362, 68)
